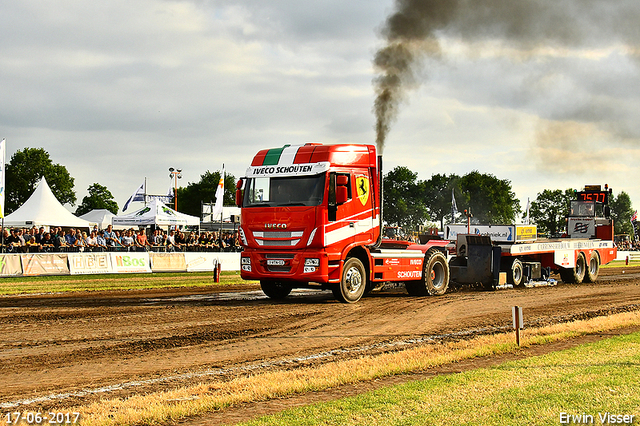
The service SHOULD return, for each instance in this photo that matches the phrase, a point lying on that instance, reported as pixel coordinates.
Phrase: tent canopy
(44, 209)
(155, 213)
(102, 217)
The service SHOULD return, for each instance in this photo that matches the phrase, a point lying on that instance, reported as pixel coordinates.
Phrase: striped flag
(138, 195)
(635, 216)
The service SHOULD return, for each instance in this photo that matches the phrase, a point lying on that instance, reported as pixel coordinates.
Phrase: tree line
(411, 203)
(27, 166)
(407, 201)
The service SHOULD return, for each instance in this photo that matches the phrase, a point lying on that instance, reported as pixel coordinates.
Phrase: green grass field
(589, 380)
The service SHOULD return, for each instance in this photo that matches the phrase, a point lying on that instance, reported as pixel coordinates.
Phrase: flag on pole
(634, 217)
(217, 209)
(526, 219)
(454, 206)
(138, 195)
(2, 183)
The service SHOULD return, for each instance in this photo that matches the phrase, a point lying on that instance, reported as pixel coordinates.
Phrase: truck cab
(304, 207)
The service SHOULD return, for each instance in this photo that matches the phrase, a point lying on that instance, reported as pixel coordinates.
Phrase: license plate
(275, 262)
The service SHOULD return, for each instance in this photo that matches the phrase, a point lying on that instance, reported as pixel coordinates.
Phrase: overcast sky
(543, 94)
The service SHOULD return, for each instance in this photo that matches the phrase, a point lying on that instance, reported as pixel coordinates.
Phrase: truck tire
(435, 276)
(353, 282)
(593, 268)
(515, 273)
(277, 290)
(576, 274)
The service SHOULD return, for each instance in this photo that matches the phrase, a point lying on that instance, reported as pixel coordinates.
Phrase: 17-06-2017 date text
(37, 418)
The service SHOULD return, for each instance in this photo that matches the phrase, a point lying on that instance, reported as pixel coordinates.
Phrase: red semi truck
(312, 217)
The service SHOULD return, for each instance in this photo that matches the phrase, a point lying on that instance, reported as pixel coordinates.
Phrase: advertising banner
(498, 233)
(10, 265)
(132, 262)
(526, 233)
(44, 264)
(89, 263)
(204, 261)
(168, 262)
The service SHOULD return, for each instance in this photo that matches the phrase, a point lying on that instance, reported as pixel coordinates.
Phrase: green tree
(403, 201)
(24, 171)
(438, 197)
(99, 197)
(491, 200)
(621, 212)
(191, 197)
(550, 209)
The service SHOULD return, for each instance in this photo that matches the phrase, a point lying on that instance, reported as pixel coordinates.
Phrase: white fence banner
(131, 262)
(89, 263)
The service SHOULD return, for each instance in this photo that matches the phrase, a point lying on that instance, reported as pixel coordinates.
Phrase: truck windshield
(284, 191)
(587, 209)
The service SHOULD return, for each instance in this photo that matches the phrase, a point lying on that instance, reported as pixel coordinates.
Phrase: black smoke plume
(413, 30)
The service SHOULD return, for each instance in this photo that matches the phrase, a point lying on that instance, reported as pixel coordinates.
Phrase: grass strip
(199, 399)
(582, 384)
(105, 282)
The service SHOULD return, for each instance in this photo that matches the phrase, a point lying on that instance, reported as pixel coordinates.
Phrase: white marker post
(518, 322)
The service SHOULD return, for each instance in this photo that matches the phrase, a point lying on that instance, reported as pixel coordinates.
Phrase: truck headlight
(312, 262)
(245, 261)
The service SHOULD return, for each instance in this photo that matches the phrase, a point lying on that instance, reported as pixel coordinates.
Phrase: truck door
(350, 207)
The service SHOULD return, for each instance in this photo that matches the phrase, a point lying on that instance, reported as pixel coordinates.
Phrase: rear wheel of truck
(435, 276)
(353, 282)
(577, 273)
(276, 290)
(515, 274)
(593, 268)
(435, 273)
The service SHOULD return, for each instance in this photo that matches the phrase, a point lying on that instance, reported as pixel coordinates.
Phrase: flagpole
(222, 209)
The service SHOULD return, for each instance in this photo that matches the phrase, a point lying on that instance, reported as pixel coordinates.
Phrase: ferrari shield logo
(362, 188)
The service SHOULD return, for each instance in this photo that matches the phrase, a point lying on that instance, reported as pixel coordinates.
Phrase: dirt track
(71, 346)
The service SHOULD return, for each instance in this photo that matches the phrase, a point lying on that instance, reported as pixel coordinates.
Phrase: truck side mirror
(342, 189)
(239, 193)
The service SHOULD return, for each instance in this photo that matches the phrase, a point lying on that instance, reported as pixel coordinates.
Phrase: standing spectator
(171, 241)
(31, 245)
(47, 242)
(13, 242)
(5, 237)
(110, 236)
(40, 235)
(81, 240)
(60, 242)
(71, 237)
(127, 240)
(141, 241)
(92, 241)
(101, 242)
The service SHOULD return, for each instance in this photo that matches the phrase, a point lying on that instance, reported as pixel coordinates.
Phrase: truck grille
(278, 238)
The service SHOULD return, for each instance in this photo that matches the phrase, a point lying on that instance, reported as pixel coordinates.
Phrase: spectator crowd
(57, 239)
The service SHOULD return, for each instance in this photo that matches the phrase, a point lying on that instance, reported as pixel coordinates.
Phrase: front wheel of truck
(353, 282)
(277, 290)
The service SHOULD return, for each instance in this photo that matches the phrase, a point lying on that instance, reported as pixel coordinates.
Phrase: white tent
(44, 209)
(102, 217)
(155, 213)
